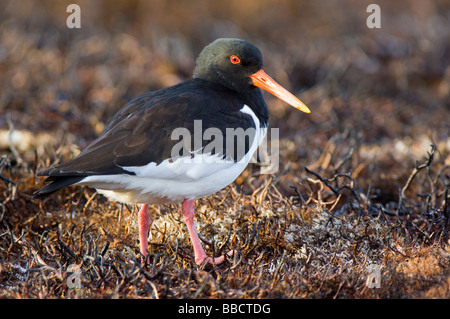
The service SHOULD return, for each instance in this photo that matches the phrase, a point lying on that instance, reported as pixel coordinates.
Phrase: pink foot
(213, 261)
(187, 209)
(144, 222)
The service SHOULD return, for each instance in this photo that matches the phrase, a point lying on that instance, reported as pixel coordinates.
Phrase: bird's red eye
(234, 59)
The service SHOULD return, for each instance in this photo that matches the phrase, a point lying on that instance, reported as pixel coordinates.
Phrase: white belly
(165, 184)
(174, 181)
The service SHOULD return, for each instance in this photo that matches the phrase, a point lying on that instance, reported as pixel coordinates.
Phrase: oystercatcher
(145, 156)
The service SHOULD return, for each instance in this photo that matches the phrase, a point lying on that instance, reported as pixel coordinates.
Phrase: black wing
(140, 133)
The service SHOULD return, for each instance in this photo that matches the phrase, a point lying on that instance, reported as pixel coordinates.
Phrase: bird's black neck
(252, 97)
(255, 100)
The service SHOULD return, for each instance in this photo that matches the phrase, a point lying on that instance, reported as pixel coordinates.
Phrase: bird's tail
(56, 183)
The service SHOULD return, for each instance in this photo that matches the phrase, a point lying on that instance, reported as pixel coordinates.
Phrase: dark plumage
(134, 159)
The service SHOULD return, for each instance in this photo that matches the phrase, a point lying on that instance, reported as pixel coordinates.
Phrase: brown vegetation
(363, 180)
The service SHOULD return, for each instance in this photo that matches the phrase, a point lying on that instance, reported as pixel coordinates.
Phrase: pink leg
(144, 222)
(187, 209)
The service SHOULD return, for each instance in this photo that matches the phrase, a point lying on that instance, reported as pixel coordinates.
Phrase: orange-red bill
(265, 82)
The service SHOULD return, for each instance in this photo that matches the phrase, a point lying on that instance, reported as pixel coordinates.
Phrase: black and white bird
(139, 158)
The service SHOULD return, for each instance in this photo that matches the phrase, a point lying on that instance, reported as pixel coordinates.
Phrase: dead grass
(359, 181)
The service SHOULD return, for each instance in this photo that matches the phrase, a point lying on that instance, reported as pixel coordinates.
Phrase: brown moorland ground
(363, 180)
